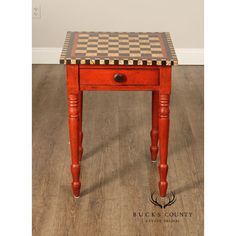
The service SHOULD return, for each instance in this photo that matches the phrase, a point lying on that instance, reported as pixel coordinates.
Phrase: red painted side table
(119, 61)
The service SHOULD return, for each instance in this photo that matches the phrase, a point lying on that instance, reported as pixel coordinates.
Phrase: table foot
(163, 184)
(75, 170)
(76, 197)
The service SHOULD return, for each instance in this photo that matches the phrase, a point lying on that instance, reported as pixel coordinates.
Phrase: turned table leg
(80, 124)
(155, 125)
(163, 140)
(73, 100)
(75, 125)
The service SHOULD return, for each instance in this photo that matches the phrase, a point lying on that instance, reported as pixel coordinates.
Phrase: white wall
(182, 18)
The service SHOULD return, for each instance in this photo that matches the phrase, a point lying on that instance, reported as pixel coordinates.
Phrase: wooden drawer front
(131, 77)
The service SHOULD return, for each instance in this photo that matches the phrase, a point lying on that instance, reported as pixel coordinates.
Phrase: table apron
(85, 87)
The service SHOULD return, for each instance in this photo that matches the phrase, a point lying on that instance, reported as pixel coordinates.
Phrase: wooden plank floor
(116, 172)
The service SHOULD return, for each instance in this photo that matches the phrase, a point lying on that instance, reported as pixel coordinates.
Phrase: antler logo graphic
(157, 202)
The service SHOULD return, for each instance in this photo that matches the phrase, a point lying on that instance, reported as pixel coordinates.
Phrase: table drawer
(119, 77)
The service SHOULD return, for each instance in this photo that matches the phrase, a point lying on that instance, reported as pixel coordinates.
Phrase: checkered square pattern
(118, 48)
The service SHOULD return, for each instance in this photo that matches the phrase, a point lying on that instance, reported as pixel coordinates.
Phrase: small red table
(113, 61)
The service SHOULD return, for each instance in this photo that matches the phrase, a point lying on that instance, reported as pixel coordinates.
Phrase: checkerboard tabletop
(118, 48)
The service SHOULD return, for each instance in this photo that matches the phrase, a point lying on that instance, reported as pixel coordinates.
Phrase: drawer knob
(119, 78)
